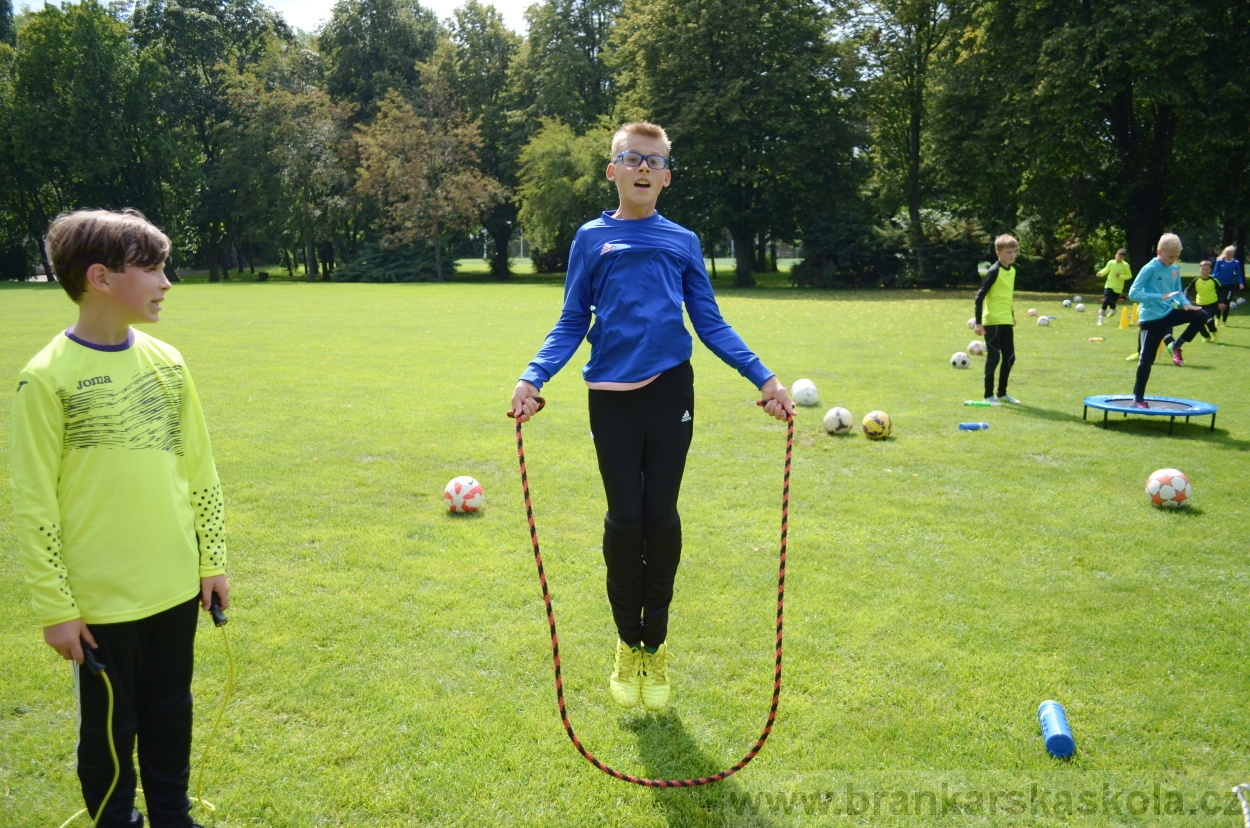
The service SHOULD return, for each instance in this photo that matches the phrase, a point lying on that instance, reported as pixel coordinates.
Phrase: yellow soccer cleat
(626, 682)
(655, 685)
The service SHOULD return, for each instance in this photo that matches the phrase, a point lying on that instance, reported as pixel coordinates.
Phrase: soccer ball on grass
(877, 425)
(1169, 488)
(976, 348)
(959, 360)
(463, 494)
(804, 392)
(838, 421)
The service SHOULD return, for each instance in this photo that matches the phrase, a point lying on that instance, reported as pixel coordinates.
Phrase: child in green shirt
(118, 513)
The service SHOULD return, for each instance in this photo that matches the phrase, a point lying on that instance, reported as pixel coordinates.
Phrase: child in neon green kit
(1117, 272)
(118, 512)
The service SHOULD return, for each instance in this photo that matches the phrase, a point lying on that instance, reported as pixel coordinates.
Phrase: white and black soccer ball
(838, 421)
(959, 360)
(1078, 299)
(463, 494)
(1169, 489)
(1067, 303)
(804, 392)
(976, 348)
(1043, 320)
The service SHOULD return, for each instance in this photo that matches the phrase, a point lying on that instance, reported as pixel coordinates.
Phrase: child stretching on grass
(633, 269)
(1117, 272)
(1157, 289)
(995, 297)
(118, 512)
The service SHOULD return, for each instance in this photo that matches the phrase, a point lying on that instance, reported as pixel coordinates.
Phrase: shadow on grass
(668, 752)
(1142, 426)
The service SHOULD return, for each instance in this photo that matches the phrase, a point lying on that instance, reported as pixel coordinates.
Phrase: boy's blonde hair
(1005, 241)
(643, 128)
(116, 240)
(1170, 242)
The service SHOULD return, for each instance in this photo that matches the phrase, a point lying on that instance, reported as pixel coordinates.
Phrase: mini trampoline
(1171, 407)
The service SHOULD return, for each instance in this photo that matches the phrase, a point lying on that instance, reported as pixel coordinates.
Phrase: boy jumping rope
(995, 298)
(1157, 289)
(118, 512)
(1117, 272)
(633, 270)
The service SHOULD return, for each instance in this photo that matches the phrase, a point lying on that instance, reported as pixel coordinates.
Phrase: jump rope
(555, 641)
(98, 667)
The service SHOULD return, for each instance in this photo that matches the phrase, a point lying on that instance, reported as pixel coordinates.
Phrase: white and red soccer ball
(1169, 489)
(463, 494)
(976, 348)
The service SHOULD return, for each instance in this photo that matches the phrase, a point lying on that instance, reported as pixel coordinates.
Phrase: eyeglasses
(635, 159)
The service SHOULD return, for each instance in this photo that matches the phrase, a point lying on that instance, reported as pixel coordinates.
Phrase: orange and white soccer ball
(976, 348)
(877, 425)
(463, 494)
(1169, 489)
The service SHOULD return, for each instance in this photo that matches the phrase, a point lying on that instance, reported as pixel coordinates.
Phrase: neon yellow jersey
(1206, 291)
(116, 501)
(1117, 274)
(994, 303)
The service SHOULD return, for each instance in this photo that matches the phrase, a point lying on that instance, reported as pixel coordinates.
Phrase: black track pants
(1153, 332)
(1224, 296)
(149, 663)
(641, 440)
(1000, 345)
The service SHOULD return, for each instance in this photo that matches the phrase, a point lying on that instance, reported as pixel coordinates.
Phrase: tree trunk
(327, 260)
(712, 256)
(310, 258)
(170, 272)
(499, 225)
(47, 262)
(744, 246)
(916, 229)
(438, 257)
(772, 255)
(213, 252)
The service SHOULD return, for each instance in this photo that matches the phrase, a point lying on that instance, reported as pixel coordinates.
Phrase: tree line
(891, 139)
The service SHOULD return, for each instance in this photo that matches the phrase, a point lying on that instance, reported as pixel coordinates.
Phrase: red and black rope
(555, 640)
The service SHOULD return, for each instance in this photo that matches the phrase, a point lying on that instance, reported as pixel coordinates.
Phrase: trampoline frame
(1105, 402)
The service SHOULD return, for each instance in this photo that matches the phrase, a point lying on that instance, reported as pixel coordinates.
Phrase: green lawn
(394, 664)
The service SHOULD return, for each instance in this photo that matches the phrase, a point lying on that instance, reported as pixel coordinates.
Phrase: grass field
(394, 667)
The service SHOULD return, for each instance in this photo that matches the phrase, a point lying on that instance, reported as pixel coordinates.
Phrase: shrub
(377, 262)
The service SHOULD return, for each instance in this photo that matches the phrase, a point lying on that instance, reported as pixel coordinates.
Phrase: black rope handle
(555, 640)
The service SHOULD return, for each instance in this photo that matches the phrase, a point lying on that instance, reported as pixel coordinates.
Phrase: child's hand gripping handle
(219, 617)
(542, 403)
(88, 657)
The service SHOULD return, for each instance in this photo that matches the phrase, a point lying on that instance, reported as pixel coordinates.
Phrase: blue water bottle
(973, 426)
(1055, 731)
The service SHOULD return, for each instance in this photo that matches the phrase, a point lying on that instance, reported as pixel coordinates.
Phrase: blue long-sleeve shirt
(1228, 272)
(633, 275)
(1153, 282)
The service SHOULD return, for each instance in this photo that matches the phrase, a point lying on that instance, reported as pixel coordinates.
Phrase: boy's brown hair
(116, 240)
(643, 128)
(1005, 241)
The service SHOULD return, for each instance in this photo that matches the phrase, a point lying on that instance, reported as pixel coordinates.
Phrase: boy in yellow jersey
(996, 318)
(1117, 272)
(118, 512)
(1206, 295)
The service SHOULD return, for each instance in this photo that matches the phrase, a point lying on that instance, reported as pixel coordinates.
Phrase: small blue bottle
(973, 426)
(1055, 731)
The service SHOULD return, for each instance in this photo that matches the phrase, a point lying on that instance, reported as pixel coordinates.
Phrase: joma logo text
(93, 381)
